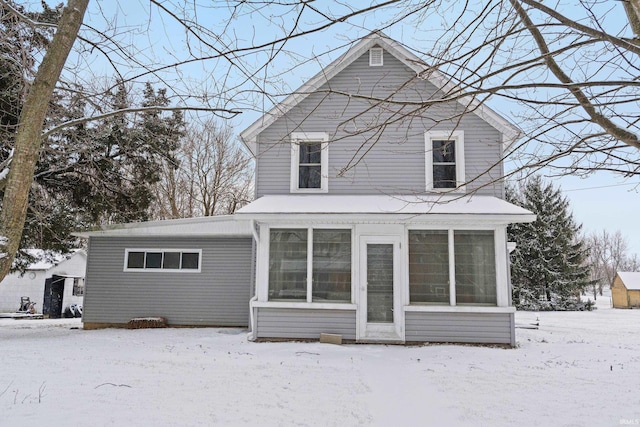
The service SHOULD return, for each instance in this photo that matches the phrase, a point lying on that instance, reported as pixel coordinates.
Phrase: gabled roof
(510, 132)
(630, 279)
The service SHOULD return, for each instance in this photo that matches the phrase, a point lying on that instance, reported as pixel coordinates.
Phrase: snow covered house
(375, 218)
(625, 290)
(52, 284)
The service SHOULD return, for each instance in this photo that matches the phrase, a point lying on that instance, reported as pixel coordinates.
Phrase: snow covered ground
(578, 369)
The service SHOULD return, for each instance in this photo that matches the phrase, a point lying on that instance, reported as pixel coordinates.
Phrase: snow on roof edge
(631, 279)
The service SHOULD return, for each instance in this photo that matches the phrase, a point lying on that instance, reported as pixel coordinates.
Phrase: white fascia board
(459, 309)
(223, 226)
(465, 220)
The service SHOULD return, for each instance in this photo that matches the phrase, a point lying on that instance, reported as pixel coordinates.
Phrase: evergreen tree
(103, 171)
(548, 263)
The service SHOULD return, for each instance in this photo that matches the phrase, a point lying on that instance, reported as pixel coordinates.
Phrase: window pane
(190, 260)
(475, 267)
(309, 177)
(429, 267)
(171, 260)
(380, 283)
(444, 151)
(135, 260)
(310, 153)
(331, 265)
(288, 265)
(444, 176)
(154, 260)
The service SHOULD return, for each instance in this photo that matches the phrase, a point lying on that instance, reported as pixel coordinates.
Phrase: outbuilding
(625, 291)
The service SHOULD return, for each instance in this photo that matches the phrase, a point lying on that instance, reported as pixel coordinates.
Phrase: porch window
(429, 267)
(475, 267)
(472, 277)
(444, 160)
(310, 265)
(288, 265)
(331, 281)
(309, 162)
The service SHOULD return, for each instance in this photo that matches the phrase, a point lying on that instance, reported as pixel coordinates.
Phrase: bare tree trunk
(632, 7)
(29, 134)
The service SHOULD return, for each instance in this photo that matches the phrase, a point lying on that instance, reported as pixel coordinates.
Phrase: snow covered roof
(248, 136)
(48, 259)
(222, 225)
(431, 205)
(630, 279)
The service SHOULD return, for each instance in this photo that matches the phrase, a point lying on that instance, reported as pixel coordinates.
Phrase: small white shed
(51, 285)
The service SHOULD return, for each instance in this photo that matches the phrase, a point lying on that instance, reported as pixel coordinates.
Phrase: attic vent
(375, 57)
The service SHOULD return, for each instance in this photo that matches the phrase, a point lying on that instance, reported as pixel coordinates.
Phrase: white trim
(162, 270)
(459, 309)
(262, 281)
(212, 226)
(381, 332)
(458, 137)
(440, 220)
(376, 57)
(306, 305)
(452, 267)
(249, 135)
(501, 265)
(309, 265)
(296, 139)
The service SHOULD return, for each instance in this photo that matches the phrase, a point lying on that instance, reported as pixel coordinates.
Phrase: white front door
(379, 300)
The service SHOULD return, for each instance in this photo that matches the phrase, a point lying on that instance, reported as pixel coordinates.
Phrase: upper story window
(444, 160)
(165, 260)
(309, 162)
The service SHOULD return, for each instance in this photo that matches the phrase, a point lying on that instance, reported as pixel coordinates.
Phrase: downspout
(252, 318)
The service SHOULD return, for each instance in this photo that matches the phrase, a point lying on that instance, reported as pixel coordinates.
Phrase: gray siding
(489, 328)
(218, 295)
(395, 151)
(302, 323)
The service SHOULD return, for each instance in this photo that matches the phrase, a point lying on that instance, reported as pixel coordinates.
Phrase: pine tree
(548, 263)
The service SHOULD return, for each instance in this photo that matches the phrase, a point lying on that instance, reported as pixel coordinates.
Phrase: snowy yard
(578, 369)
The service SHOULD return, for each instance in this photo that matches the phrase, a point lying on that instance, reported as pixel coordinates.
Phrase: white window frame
(458, 137)
(309, 285)
(298, 138)
(162, 270)
(372, 55)
(499, 235)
